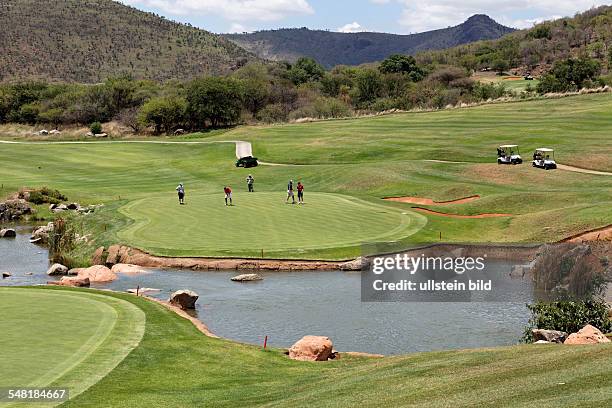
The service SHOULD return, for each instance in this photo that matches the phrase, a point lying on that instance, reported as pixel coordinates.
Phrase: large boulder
(312, 348)
(57, 269)
(41, 234)
(98, 257)
(248, 277)
(358, 264)
(8, 233)
(185, 299)
(14, 209)
(587, 335)
(114, 256)
(128, 269)
(551, 336)
(71, 281)
(97, 273)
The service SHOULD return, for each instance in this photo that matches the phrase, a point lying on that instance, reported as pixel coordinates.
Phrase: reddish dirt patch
(428, 211)
(599, 234)
(429, 201)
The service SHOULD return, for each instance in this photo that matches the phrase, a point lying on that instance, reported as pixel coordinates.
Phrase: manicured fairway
(62, 338)
(263, 221)
(177, 366)
(365, 159)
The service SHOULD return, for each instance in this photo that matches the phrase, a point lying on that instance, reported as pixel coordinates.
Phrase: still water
(287, 306)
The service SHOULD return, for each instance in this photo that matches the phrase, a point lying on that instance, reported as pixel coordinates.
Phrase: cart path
(581, 170)
(429, 201)
(244, 149)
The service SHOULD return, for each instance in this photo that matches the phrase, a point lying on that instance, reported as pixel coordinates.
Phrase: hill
(332, 48)
(536, 50)
(89, 41)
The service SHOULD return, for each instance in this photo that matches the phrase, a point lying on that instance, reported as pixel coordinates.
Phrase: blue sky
(394, 16)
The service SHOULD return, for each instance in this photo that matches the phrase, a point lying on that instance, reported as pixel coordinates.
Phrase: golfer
(228, 195)
(250, 180)
(300, 189)
(181, 193)
(290, 194)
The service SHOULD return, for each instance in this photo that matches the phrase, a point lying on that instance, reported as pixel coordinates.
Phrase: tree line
(268, 93)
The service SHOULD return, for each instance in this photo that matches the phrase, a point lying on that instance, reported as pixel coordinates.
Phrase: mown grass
(63, 338)
(194, 370)
(367, 158)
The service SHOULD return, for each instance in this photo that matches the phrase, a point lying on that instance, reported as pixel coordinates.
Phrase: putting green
(262, 221)
(63, 338)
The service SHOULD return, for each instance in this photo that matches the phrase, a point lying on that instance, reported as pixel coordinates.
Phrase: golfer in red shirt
(228, 195)
(300, 189)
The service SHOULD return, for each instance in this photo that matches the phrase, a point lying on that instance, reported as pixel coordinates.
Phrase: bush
(95, 128)
(568, 316)
(272, 114)
(46, 195)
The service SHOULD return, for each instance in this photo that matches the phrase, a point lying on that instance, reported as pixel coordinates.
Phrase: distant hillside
(537, 49)
(87, 41)
(332, 48)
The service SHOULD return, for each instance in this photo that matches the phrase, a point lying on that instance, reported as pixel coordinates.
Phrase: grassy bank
(174, 365)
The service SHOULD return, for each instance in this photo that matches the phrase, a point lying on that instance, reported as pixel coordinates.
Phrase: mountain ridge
(335, 48)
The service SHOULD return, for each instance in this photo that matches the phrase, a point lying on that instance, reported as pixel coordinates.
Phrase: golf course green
(68, 339)
(262, 222)
(347, 166)
(175, 365)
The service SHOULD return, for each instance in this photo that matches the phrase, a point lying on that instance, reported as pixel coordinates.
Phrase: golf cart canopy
(545, 150)
(507, 146)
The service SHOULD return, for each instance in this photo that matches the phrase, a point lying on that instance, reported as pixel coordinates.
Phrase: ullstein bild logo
(440, 278)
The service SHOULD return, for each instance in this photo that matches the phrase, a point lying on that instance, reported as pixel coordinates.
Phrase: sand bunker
(429, 201)
(428, 211)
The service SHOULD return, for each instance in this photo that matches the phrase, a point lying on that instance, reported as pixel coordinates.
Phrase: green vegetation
(569, 316)
(64, 338)
(77, 41)
(365, 159)
(175, 365)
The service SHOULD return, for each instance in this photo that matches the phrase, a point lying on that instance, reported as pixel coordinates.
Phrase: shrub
(568, 316)
(46, 195)
(95, 128)
(272, 114)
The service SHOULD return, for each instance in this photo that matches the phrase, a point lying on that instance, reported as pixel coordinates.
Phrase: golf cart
(544, 158)
(509, 154)
(246, 162)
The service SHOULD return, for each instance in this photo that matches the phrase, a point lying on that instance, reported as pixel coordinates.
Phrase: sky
(391, 16)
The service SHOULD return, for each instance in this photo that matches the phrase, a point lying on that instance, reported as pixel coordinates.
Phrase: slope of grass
(176, 366)
(64, 339)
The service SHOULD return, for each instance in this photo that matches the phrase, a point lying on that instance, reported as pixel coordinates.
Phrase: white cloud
(418, 16)
(233, 10)
(353, 27)
(237, 28)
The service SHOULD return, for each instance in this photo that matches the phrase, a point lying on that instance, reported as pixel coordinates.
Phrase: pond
(288, 305)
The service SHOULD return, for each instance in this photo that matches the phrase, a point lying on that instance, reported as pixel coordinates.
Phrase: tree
(500, 66)
(305, 70)
(165, 113)
(216, 100)
(369, 85)
(570, 74)
(402, 64)
(95, 128)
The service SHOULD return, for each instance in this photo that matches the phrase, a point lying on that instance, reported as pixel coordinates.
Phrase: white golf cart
(544, 158)
(509, 154)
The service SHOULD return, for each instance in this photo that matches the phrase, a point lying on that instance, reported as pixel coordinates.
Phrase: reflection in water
(287, 306)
